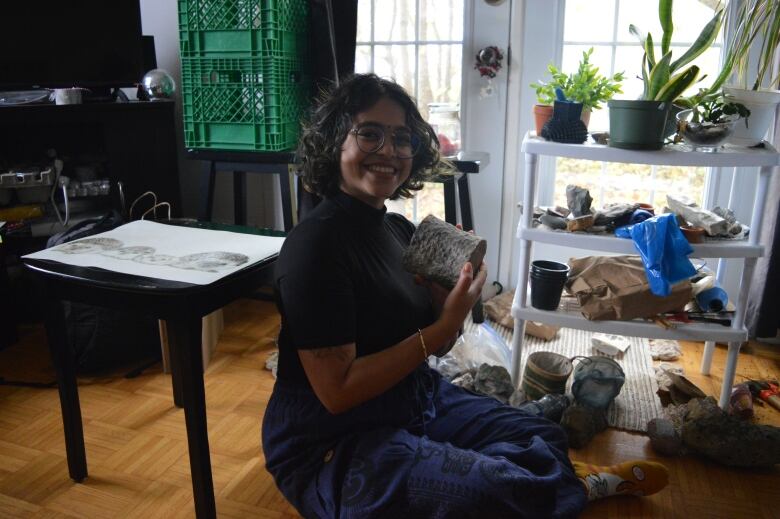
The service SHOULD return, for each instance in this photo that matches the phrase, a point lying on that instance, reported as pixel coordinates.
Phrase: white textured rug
(637, 402)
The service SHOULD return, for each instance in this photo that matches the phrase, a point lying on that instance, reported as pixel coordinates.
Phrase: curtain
(763, 311)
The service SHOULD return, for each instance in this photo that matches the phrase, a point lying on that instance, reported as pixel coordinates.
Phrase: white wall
(483, 120)
(160, 19)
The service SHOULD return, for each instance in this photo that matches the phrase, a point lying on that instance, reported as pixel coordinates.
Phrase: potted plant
(586, 86)
(709, 123)
(754, 21)
(641, 124)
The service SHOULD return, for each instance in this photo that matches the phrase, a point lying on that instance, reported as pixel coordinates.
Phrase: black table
(183, 306)
(283, 165)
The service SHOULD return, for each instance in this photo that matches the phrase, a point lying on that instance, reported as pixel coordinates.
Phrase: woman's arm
(341, 381)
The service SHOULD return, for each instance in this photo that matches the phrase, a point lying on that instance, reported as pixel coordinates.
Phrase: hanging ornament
(488, 64)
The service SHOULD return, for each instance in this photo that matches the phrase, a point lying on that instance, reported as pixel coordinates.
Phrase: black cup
(547, 281)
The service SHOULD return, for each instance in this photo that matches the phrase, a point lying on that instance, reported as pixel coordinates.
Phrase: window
(603, 25)
(419, 44)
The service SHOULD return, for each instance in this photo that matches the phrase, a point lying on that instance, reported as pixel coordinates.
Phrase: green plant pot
(637, 125)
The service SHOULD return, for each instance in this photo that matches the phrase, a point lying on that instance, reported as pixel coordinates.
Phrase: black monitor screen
(64, 43)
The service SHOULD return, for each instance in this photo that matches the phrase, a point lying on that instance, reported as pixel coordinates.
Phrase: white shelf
(712, 249)
(635, 328)
(669, 155)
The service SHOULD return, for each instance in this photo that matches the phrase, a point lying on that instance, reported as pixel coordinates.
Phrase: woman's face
(374, 177)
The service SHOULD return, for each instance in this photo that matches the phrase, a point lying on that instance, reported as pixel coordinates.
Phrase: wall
(160, 19)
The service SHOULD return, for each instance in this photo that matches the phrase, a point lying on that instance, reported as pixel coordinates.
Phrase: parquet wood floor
(137, 450)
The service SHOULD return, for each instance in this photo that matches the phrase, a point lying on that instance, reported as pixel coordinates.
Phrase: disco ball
(158, 85)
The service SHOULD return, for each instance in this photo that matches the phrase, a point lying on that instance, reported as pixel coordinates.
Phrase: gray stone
(494, 381)
(578, 200)
(582, 424)
(710, 431)
(596, 229)
(696, 216)
(554, 222)
(563, 212)
(664, 437)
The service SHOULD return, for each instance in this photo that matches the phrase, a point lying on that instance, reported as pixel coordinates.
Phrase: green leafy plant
(751, 19)
(666, 79)
(586, 85)
(718, 108)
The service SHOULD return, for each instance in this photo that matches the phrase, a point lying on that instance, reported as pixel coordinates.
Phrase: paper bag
(616, 288)
(499, 309)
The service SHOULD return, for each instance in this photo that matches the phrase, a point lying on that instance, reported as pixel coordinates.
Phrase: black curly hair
(322, 136)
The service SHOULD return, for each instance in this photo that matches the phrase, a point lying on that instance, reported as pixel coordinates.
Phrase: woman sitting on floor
(358, 425)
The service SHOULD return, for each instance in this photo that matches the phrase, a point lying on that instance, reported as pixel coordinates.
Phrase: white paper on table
(170, 252)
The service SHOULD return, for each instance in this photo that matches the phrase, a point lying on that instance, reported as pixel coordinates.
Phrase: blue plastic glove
(663, 249)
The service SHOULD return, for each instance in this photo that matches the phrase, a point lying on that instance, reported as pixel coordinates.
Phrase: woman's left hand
(438, 295)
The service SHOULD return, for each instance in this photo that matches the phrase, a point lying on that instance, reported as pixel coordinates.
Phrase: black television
(63, 43)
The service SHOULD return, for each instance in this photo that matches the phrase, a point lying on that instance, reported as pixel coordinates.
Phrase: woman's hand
(463, 296)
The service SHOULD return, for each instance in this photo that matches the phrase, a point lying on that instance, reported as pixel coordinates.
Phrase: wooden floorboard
(137, 448)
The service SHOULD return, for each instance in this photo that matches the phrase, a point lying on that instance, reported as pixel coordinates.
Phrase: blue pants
(424, 449)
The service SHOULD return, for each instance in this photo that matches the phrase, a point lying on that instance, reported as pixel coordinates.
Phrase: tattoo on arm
(339, 352)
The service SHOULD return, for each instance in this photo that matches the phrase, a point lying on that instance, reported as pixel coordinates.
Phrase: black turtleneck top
(339, 280)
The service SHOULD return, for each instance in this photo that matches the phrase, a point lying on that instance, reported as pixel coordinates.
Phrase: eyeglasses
(371, 137)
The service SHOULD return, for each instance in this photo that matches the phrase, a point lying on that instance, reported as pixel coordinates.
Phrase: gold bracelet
(422, 343)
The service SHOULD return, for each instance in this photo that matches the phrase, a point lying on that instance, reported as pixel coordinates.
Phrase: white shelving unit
(677, 155)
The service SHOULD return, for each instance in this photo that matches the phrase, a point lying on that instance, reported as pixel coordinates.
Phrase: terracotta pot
(647, 207)
(693, 234)
(542, 114)
(585, 116)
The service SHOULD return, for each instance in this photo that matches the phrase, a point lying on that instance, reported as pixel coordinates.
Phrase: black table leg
(207, 193)
(284, 186)
(178, 399)
(465, 203)
(450, 211)
(184, 336)
(65, 367)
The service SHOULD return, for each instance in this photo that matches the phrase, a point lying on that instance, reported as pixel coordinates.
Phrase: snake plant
(666, 79)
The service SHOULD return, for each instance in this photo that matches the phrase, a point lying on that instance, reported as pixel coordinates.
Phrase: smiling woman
(358, 424)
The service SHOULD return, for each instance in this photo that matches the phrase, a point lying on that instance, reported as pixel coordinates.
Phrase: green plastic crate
(252, 104)
(242, 28)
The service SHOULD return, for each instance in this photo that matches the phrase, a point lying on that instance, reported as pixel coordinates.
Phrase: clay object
(727, 214)
(465, 380)
(439, 250)
(713, 224)
(683, 390)
(693, 234)
(566, 125)
(582, 424)
(710, 431)
(554, 222)
(664, 437)
(494, 381)
(615, 215)
(581, 223)
(578, 200)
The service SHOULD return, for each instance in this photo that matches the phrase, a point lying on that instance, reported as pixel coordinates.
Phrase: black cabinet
(135, 140)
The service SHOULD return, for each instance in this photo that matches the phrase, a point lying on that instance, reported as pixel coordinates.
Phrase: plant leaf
(678, 84)
(702, 43)
(646, 40)
(665, 17)
(659, 76)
